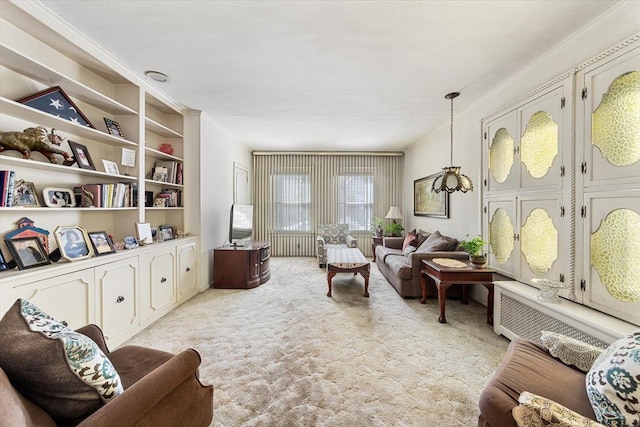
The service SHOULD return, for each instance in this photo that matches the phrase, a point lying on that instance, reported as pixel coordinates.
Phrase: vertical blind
(293, 192)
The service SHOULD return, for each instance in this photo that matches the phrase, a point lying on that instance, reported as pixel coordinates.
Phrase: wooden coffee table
(444, 277)
(341, 259)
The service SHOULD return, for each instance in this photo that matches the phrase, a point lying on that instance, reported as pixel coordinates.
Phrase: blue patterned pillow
(613, 383)
(62, 371)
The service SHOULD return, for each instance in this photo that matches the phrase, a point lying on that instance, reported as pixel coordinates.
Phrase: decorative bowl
(549, 289)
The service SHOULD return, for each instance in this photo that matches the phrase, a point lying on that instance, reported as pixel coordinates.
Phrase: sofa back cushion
(62, 371)
(436, 242)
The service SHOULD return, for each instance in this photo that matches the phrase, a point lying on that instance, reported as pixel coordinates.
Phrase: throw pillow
(409, 240)
(537, 411)
(422, 236)
(613, 383)
(408, 250)
(570, 351)
(62, 371)
(435, 242)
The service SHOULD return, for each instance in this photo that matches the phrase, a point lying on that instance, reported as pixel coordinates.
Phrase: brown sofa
(403, 272)
(160, 389)
(529, 367)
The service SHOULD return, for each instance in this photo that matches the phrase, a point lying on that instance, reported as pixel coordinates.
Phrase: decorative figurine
(34, 139)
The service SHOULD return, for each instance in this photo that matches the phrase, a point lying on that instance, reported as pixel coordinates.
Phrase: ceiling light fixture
(451, 179)
(157, 76)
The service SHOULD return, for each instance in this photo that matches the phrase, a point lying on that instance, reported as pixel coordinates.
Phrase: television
(240, 224)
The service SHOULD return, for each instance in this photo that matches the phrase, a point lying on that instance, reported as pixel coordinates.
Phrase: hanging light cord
(451, 131)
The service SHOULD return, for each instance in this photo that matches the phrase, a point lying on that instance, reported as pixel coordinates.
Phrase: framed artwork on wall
(427, 202)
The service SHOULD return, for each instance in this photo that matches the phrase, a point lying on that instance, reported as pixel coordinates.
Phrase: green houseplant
(394, 229)
(377, 226)
(475, 247)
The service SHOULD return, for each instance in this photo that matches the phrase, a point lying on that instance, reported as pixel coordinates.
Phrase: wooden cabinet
(241, 267)
(187, 256)
(160, 285)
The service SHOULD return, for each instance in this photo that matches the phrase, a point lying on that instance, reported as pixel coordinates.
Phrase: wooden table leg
(465, 297)
(373, 249)
(489, 287)
(330, 275)
(423, 288)
(442, 299)
(366, 283)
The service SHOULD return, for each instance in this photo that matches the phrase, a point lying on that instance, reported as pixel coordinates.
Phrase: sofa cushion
(382, 252)
(613, 383)
(570, 350)
(538, 411)
(422, 236)
(399, 265)
(434, 243)
(62, 371)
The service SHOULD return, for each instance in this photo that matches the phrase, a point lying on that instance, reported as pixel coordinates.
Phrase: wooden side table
(444, 277)
(376, 241)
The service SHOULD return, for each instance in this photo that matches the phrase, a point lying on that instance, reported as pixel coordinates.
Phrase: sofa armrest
(136, 401)
(393, 242)
(351, 241)
(95, 333)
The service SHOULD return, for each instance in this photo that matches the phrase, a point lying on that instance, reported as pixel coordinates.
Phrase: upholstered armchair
(332, 234)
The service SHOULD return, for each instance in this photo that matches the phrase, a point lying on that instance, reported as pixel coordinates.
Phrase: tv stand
(241, 267)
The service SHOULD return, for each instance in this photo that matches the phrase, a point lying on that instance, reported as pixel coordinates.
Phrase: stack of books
(108, 195)
(168, 171)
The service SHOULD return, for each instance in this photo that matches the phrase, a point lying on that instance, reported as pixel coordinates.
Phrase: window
(355, 201)
(292, 202)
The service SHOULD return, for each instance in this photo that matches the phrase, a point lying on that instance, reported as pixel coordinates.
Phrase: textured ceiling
(328, 75)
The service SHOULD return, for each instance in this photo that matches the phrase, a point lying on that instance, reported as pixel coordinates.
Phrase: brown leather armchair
(160, 389)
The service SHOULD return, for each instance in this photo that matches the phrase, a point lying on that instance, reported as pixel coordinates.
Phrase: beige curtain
(324, 169)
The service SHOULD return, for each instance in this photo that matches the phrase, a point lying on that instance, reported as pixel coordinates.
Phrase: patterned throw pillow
(62, 371)
(613, 383)
(570, 351)
(537, 411)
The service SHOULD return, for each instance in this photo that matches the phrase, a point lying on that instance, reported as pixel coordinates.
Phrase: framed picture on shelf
(81, 154)
(167, 232)
(130, 242)
(57, 103)
(27, 252)
(110, 167)
(427, 202)
(113, 127)
(24, 194)
(101, 243)
(59, 197)
(144, 233)
(73, 242)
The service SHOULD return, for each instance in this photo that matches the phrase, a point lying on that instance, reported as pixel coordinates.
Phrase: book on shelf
(7, 184)
(109, 195)
(160, 174)
(173, 197)
(174, 170)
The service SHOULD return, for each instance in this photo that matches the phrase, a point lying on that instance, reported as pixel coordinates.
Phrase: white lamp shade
(394, 213)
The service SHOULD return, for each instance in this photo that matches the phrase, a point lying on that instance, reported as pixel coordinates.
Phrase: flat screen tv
(240, 224)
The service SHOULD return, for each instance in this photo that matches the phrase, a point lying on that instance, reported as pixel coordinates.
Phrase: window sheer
(355, 201)
(292, 202)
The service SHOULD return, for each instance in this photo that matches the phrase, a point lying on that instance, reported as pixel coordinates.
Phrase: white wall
(218, 152)
(431, 153)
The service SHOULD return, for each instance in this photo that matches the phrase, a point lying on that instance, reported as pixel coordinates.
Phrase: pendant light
(451, 179)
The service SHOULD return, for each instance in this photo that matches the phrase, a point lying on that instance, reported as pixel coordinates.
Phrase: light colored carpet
(284, 354)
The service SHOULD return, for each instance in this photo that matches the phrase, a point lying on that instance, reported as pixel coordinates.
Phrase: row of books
(7, 181)
(168, 171)
(172, 198)
(119, 195)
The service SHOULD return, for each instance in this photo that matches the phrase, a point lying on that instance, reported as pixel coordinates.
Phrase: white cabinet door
(67, 298)
(117, 302)
(161, 281)
(187, 270)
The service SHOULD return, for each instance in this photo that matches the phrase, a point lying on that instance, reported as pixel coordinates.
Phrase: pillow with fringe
(571, 351)
(538, 411)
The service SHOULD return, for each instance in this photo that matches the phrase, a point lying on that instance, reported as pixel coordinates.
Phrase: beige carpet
(284, 354)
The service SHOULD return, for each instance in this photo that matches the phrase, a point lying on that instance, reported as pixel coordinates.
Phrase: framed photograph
(24, 194)
(57, 103)
(427, 202)
(27, 252)
(101, 243)
(59, 197)
(167, 232)
(130, 242)
(110, 167)
(144, 233)
(81, 154)
(113, 127)
(3, 262)
(73, 242)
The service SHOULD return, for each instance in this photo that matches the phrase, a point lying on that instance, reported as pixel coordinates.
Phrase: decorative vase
(379, 232)
(478, 261)
(166, 148)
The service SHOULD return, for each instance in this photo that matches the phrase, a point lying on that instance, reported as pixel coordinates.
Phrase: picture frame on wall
(81, 154)
(56, 102)
(427, 202)
(73, 242)
(27, 252)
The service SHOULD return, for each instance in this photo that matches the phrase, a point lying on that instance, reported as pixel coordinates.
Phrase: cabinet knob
(64, 323)
(164, 279)
(188, 269)
(120, 299)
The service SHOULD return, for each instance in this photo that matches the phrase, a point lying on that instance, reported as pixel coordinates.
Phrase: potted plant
(475, 247)
(394, 229)
(377, 226)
